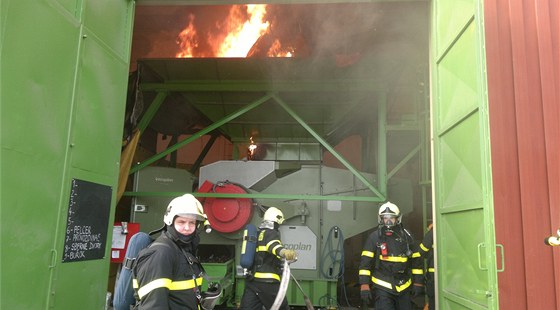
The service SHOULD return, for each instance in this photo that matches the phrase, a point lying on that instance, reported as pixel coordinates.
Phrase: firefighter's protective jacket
(426, 249)
(164, 278)
(268, 263)
(391, 260)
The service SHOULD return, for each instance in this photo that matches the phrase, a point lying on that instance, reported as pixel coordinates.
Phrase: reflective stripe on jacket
(427, 249)
(395, 268)
(164, 278)
(268, 263)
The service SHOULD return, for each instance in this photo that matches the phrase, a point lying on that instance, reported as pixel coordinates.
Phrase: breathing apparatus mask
(389, 216)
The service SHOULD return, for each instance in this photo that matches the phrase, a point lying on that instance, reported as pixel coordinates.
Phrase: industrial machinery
(315, 228)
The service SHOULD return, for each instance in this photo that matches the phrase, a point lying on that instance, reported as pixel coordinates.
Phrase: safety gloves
(365, 293)
(289, 255)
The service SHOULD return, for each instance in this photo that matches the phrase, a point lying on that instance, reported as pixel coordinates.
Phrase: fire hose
(553, 240)
(284, 287)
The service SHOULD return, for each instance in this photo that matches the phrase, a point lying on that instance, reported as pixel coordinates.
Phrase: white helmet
(183, 206)
(274, 215)
(389, 209)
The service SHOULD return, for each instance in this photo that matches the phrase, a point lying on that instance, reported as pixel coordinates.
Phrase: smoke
(346, 31)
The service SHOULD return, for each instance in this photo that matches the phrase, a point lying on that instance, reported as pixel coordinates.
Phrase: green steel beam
(173, 156)
(201, 133)
(382, 142)
(258, 196)
(327, 146)
(342, 85)
(204, 152)
(403, 161)
(152, 110)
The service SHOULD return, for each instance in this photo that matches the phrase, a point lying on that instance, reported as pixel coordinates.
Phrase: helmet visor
(389, 220)
(191, 216)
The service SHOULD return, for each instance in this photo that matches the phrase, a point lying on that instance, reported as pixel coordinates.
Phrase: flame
(251, 149)
(188, 39)
(242, 35)
(276, 50)
(244, 25)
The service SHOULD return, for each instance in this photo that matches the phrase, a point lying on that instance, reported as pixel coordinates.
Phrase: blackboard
(87, 221)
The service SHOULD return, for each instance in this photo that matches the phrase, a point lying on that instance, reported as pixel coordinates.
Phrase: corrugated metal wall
(523, 82)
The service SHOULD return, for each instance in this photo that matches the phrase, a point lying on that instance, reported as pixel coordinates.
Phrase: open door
(64, 75)
(466, 249)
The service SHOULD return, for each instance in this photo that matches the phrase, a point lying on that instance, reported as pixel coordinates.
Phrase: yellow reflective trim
(382, 283)
(152, 286)
(389, 286)
(417, 271)
(244, 243)
(264, 248)
(424, 248)
(167, 283)
(185, 285)
(134, 283)
(272, 242)
(431, 270)
(404, 286)
(364, 272)
(274, 250)
(394, 259)
(416, 255)
(367, 253)
(266, 275)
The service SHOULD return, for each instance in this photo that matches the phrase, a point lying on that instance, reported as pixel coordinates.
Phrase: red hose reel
(226, 215)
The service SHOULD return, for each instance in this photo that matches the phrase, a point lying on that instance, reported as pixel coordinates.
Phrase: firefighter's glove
(289, 255)
(417, 290)
(365, 293)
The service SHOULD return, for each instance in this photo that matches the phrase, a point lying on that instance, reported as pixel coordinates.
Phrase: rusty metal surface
(523, 78)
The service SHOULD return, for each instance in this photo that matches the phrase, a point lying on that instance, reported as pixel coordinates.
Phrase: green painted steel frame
(380, 194)
(63, 96)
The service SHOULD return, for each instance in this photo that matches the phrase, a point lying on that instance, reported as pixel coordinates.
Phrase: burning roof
(342, 55)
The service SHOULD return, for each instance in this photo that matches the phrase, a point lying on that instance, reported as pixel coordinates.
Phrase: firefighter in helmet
(391, 263)
(167, 274)
(262, 286)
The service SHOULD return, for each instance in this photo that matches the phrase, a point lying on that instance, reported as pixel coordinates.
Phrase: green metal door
(465, 241)
(64, 72)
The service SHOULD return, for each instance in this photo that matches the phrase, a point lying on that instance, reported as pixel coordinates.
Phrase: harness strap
(129, 262)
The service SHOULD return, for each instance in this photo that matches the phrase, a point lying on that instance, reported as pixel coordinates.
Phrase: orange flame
(251, 149)
(187, 39)
(276, 50)
(242, 35)
(234, 37)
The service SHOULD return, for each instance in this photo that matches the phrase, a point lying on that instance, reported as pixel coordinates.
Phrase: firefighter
(427, 252)
(262, 285)
(167, 274)
(391, 263)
